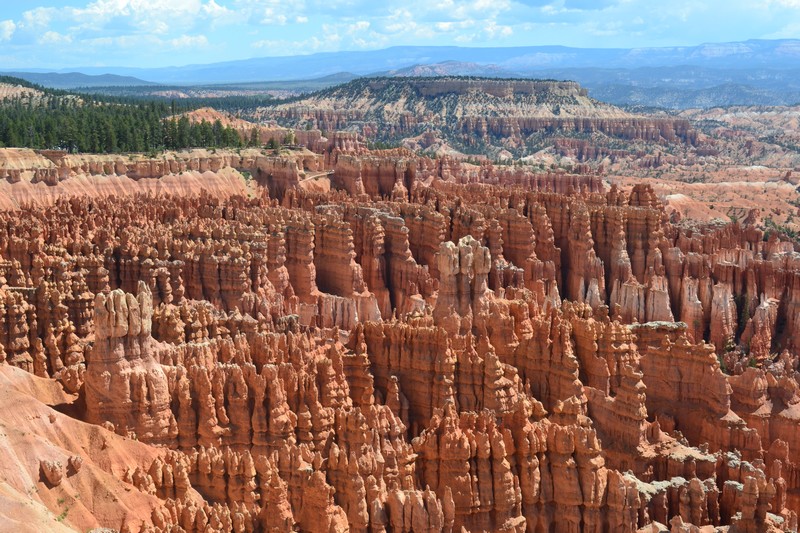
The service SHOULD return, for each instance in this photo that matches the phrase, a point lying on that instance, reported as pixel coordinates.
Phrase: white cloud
(271, 16)
(135, 30)
(494, 30)
(479, 9)
(189, 41)
(307, 46)
(400, 20)
(159, 17)
(53, 37)
(124, 42)
(106, 9)
(271, 12)
(7, 28)
(359, 27)
(38, 18)
(216, 11)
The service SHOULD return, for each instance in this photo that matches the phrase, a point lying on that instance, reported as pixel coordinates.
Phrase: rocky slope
(428, 346)
(265, 134)
(9, 91)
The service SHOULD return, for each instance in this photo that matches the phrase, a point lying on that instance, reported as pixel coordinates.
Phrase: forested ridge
(90, 123)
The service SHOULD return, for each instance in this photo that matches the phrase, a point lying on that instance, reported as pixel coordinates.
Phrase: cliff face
(429, 346)
(42, 177)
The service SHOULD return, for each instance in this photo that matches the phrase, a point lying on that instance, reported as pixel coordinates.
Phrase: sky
(57, 34)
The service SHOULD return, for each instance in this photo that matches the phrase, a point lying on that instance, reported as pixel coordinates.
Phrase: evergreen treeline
(59, 120)
(234, 104)
(105, 128)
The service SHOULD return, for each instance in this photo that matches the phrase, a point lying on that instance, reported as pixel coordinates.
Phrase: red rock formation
(183, 173)
(375, 176)
(125, 385)
(451, 355)
(473, 112)
(585, 280)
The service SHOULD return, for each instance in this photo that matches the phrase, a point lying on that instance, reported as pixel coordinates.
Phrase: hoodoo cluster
(423, 345)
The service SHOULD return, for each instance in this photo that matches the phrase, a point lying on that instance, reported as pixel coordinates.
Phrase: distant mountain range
(775, 54)
(74, 80)
(749, 72)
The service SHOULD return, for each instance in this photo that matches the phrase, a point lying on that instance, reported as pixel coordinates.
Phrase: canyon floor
(599, 335)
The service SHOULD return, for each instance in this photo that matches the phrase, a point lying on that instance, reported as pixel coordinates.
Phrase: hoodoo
(497, 356)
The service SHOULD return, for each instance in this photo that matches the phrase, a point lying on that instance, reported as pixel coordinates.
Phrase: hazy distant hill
(452, 68)
(73, 80)
(685, 86)
(675, 98)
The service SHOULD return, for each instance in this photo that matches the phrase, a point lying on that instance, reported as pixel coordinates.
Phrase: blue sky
(151, 33)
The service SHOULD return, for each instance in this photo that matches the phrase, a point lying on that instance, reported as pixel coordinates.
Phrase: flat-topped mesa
(500, 88)
(473, 112)
(124, 383)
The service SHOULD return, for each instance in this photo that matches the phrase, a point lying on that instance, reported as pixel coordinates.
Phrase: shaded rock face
(452, 356)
